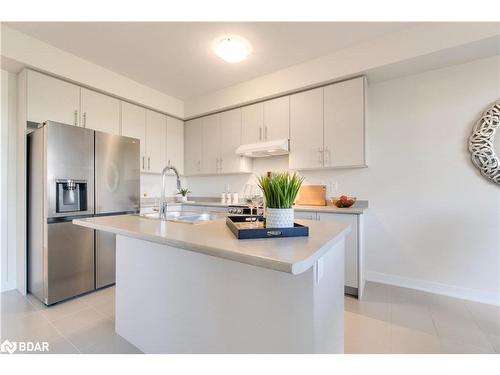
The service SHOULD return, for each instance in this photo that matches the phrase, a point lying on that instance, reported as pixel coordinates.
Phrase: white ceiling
(177, 58)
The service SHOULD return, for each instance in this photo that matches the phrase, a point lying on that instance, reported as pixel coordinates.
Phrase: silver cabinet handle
(84, 119)
(149, 163)
(325, 155)
(260, 133)
(199, 165)
(265, 132)
(320, 155)
(76, 117)
(168, 162)
(220, 165)
(328, 156)
(143, 163)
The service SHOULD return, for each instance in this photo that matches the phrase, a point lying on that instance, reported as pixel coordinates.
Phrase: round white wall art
(482, 143)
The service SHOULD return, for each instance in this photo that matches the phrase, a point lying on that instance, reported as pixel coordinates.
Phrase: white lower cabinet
(353, 272)
(306, 215)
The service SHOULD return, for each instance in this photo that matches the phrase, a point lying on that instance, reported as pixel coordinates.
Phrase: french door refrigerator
(75, 172)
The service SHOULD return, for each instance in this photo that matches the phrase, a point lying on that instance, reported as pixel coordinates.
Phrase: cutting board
(312, 195)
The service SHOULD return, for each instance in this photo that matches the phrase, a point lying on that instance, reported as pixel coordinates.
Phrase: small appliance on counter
(312, 195)
(242, 209)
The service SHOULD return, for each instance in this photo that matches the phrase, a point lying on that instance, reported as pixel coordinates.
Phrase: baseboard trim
(8, 285)
(433, 287)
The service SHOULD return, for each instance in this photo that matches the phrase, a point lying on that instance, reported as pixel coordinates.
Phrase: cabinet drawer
(306, 215)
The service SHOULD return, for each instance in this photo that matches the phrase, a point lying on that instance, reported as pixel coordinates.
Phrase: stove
(241, 209)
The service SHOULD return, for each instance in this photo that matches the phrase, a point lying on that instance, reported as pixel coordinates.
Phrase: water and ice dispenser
(71, 196)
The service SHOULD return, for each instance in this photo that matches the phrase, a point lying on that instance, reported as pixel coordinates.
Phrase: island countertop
(292, 255)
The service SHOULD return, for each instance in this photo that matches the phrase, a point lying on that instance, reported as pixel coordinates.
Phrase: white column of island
(195, 288)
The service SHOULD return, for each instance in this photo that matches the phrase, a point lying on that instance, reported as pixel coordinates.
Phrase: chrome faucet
(163, 202)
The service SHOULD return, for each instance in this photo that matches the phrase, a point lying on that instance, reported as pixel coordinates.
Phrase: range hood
(264, 149)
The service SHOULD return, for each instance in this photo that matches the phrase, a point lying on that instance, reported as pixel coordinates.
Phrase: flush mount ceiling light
(232, 48)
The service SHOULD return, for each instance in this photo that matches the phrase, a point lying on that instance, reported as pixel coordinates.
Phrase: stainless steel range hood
(264, 149)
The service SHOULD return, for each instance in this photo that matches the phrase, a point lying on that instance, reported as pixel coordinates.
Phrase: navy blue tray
(241, 227)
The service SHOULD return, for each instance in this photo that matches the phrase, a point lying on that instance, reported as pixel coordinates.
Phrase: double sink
(190, 217)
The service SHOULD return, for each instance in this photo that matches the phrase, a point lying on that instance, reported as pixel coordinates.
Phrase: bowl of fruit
(343, 201)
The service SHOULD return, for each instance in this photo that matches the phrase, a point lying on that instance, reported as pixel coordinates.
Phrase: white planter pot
(279, 217)
(180, 198)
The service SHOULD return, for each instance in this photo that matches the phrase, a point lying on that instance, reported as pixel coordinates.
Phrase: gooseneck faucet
(163, 202)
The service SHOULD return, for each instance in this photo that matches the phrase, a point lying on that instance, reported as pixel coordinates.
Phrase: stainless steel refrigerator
(76, 172)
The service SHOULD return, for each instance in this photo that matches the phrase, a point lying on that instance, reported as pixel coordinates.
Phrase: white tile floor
(388, 320)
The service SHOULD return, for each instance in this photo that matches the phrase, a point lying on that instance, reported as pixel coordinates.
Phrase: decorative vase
(279, 217)
(181, 198)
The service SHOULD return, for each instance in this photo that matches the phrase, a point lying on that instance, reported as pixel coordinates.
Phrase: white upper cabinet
(230, 135)
(210, 163)
(276, 119)
(52, 99)
(327, 127)
(252, 123)
(306, 130)
(344, 124)
(193, 130)
(100, 112)
(156, 141)
(134, 125)
(175, 143)
(266, 121)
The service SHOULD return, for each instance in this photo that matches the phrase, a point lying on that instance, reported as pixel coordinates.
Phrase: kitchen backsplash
(337, 181)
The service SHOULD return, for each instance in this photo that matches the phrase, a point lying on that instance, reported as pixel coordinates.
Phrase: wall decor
(482, 145)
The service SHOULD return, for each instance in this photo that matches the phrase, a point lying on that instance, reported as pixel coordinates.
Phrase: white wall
(429, 45)
(151, 185)
(21, 50)
(433, 221)
(7, 182)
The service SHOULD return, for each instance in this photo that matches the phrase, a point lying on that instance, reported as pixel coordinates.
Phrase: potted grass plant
(183, 195)
(280, 191)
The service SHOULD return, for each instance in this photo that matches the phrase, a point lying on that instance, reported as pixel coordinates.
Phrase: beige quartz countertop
(292, 255)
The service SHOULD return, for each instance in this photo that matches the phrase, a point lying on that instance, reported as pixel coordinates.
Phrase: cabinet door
(277, 119)
(192, 146)
(252, 118)
(175, 143)
(211, 144)
(52, 99)
(307, 215)
(230, 129)
(156, 141)
(306, 130)
(351, 245)
(100, 112)
(344, 124)
(134, 125)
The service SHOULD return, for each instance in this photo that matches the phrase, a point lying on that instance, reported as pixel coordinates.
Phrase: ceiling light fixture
(232, 48)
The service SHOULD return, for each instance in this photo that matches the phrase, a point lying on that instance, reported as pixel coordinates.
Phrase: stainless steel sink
(190, 217)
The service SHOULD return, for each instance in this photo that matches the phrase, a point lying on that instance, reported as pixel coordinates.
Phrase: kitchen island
(195, 288)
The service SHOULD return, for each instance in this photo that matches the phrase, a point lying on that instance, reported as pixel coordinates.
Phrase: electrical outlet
(334, 188)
